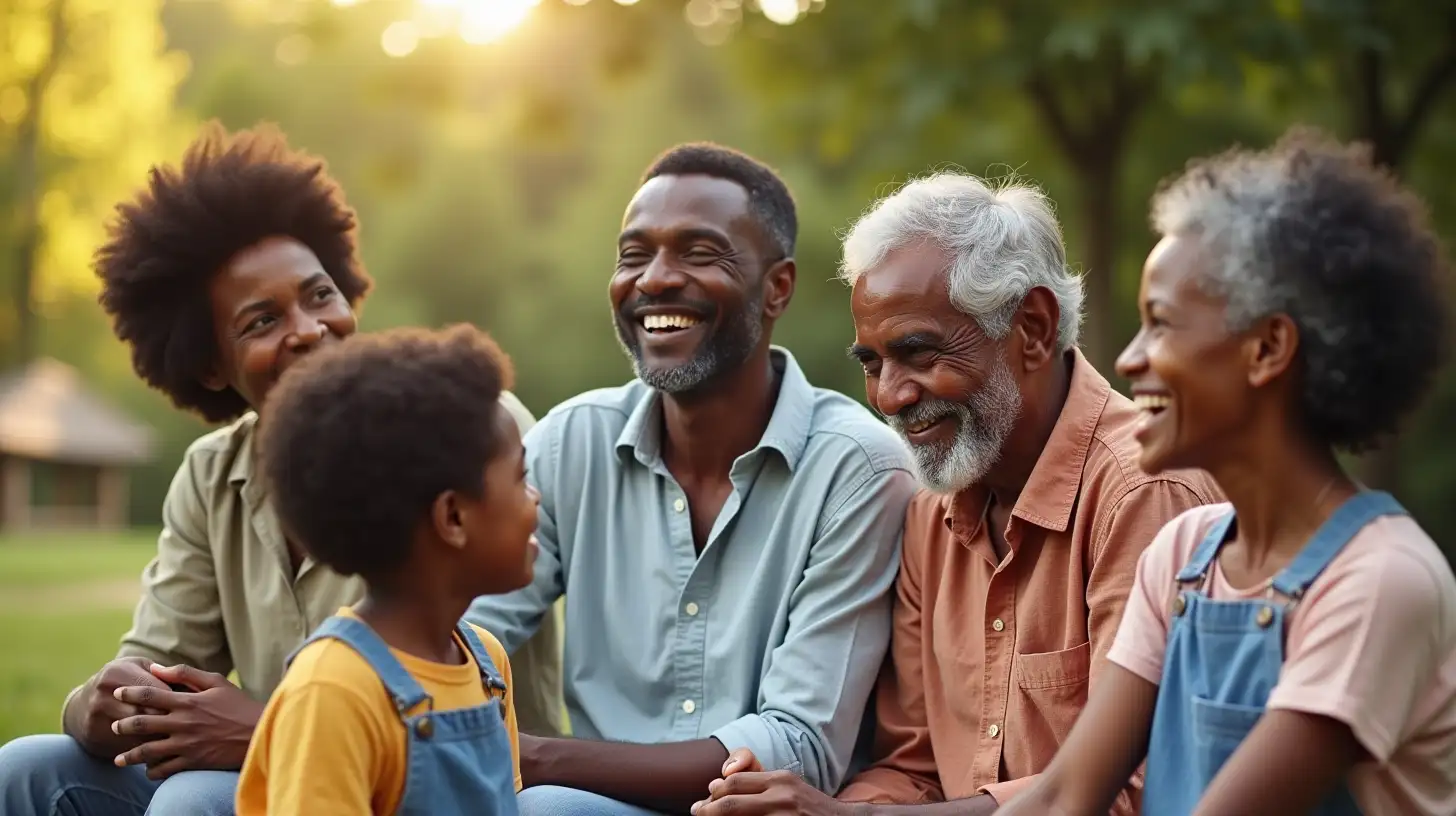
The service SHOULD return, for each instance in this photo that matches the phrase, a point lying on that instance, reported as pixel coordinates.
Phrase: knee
(195, 793)
(551, 800)
(39, 764)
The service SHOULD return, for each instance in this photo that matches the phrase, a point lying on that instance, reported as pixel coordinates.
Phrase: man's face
(689, 290)
(931, 371)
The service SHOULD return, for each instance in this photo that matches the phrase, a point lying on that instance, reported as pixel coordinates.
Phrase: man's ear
(1035, 328)
(778, 288)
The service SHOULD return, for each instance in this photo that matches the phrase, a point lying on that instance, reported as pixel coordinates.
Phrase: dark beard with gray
(725, 349)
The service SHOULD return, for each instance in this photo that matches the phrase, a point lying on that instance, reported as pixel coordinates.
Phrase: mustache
(698, 308)
(925, 411)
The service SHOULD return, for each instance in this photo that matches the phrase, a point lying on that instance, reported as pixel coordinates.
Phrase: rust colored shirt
(991, 659)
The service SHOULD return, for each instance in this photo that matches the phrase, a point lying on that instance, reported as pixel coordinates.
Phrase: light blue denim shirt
(772, 639)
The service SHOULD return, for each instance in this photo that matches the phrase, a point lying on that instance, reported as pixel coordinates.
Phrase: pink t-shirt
(1373, 645)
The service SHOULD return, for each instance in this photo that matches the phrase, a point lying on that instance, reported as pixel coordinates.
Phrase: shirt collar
(788, 426)
(241, 471)
(1051, 490)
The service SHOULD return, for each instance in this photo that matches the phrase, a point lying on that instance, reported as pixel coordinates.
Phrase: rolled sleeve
(179, 618)
(813, 696)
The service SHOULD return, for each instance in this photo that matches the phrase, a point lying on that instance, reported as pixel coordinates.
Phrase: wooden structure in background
(65, 454)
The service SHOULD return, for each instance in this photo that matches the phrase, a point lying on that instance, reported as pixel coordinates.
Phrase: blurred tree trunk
(25, 232)
(1095, 148)
(1391, 131)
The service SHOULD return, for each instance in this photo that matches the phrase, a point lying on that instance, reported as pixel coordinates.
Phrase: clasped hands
(206, 727)
(746, 788)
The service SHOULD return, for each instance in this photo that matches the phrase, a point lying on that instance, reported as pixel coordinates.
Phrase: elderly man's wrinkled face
(930, 370)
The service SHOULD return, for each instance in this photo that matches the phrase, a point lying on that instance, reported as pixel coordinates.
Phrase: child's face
(501, 545)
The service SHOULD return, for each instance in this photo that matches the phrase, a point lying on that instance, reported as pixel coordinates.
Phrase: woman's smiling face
(1189, 372)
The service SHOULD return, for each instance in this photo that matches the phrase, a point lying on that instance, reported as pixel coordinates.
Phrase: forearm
(668, 777)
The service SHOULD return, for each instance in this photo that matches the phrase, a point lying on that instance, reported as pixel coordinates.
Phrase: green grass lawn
(65, 601)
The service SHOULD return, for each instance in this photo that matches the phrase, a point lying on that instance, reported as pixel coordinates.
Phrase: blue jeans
(550, 800)
(49, 775)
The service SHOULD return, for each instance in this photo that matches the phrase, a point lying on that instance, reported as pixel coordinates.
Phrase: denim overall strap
(1224, 659)
(1332, 536)
(404, 691)
(460, 760)
(1207, 550)
(489, 674)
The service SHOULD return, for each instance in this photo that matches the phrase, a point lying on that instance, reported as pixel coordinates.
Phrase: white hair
(1003, 241)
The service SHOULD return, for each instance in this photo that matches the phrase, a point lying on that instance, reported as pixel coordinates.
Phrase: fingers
(159, 771)
(741, 760)
(195, 679)
(740, 784)
(152, 697)
(157, 752)
(142, 725)
(733, 806)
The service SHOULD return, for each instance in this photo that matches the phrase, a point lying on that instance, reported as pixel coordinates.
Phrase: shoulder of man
(841, 426)
(600, 412)
(1113, 459)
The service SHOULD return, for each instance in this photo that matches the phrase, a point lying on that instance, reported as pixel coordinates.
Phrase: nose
(659, 277)
(893, 390)
(307, 332)
(1133, 360)
(533, 494)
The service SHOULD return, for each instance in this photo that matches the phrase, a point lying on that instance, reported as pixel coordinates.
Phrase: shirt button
(679, 505)
(689, 707)
(994, 731)
(691, 609)
(998, 625)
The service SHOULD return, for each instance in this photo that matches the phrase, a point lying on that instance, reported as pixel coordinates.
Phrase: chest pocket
(1054, 685)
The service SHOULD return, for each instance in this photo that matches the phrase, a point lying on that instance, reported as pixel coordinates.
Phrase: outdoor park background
(490, 155)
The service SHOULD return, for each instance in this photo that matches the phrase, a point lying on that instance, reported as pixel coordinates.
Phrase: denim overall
(460, 760)
(1223, 660)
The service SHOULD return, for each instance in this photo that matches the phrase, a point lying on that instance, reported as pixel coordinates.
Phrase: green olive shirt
(221, 594)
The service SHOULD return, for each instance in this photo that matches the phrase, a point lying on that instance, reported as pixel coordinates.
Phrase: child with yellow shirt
(390, 457)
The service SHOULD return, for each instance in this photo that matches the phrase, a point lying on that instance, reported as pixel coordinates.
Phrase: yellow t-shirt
(330, 740)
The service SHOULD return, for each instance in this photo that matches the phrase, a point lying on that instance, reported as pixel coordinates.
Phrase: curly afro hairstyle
(363, 436)
(1313, 229)
(232, 191)
(769, 198)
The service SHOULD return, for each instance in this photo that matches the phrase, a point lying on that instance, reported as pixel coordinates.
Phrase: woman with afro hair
(1292, 650)
(219, 275)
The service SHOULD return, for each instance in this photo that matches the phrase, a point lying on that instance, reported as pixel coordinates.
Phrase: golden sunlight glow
(476, 21)
(782, 12)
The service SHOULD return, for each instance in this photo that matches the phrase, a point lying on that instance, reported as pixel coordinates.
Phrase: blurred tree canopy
(490, 179)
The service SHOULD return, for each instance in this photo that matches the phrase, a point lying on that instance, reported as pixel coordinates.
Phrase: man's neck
(1028, 440)
(704, 432)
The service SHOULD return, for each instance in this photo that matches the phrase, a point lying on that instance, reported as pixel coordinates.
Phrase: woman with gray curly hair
(1294, 649)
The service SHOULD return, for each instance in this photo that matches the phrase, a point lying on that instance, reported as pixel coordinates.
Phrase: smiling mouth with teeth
(1152, 403)
(668, 323)
(923, 425)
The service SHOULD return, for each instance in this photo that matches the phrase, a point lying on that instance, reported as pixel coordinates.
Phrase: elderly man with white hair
(1020, 550)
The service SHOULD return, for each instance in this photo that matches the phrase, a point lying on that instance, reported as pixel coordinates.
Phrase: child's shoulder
(493, 648)
(328, 662)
